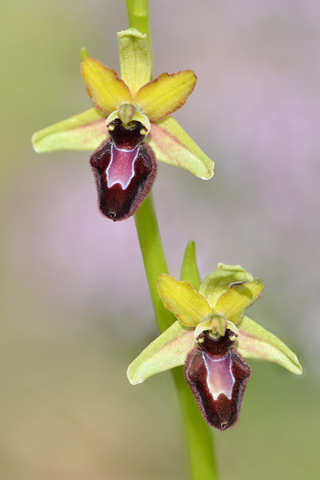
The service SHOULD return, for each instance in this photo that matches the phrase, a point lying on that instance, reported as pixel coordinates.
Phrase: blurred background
(75, 308)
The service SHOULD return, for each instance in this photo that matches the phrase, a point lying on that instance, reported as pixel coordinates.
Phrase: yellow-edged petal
(183, 300)
(232, 304)
(135, 58)
(105, 88)
(166, 94)
(217, 282)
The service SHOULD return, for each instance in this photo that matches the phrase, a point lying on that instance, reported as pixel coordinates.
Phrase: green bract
(219, 305)
(150, 101)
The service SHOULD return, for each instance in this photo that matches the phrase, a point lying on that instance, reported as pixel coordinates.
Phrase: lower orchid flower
(211, 338)
(129, 127)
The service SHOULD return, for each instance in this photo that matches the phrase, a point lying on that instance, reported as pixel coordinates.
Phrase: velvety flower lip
(152, 101)
(217, 376)
(210, 338)
(124, 169)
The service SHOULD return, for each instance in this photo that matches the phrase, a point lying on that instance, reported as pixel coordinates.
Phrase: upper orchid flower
(130, 126)
(210, 338)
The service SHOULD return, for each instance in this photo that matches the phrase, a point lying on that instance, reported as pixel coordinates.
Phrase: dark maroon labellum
(217, 376)
(124, 169)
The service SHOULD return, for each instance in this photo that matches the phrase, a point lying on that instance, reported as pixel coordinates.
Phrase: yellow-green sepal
(105, 88)
(172, 145)
(135, 58)
(85, 131)
(166, 94)
(255, 341)
(167, 351)
(238, 298)
(183, 300)
(217, 283)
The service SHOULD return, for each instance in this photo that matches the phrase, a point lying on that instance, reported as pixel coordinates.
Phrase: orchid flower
(211, 338)
(129, 127)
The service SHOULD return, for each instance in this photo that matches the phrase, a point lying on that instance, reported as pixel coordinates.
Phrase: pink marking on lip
(121, 167)
(220, 378)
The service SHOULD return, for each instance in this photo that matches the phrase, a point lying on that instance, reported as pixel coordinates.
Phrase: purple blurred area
(75, 303)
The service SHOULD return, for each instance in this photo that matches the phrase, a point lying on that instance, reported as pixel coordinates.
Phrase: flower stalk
(138, 15)
(154, 258)
(198, 434)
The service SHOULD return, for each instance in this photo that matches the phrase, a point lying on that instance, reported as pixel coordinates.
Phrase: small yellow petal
(166, 94)
(237, 299)
(183, 300)
(105, 88)
(217, 282)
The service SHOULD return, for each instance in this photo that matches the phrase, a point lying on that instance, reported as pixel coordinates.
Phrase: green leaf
(218, 282)
(172, 145)
(255, 341)
(189, 269)
(183, 300)
(237, 299)
(85, 131)
(135, 58)
(167, 351)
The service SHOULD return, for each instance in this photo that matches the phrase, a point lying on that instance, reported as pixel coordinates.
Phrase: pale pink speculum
(121, 167)
(220, 378)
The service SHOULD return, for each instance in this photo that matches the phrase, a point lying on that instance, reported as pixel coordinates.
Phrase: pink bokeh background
(74, 295)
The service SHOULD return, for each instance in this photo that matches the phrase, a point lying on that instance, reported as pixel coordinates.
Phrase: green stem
(138, 14)
(153, 258)
(198, 434)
